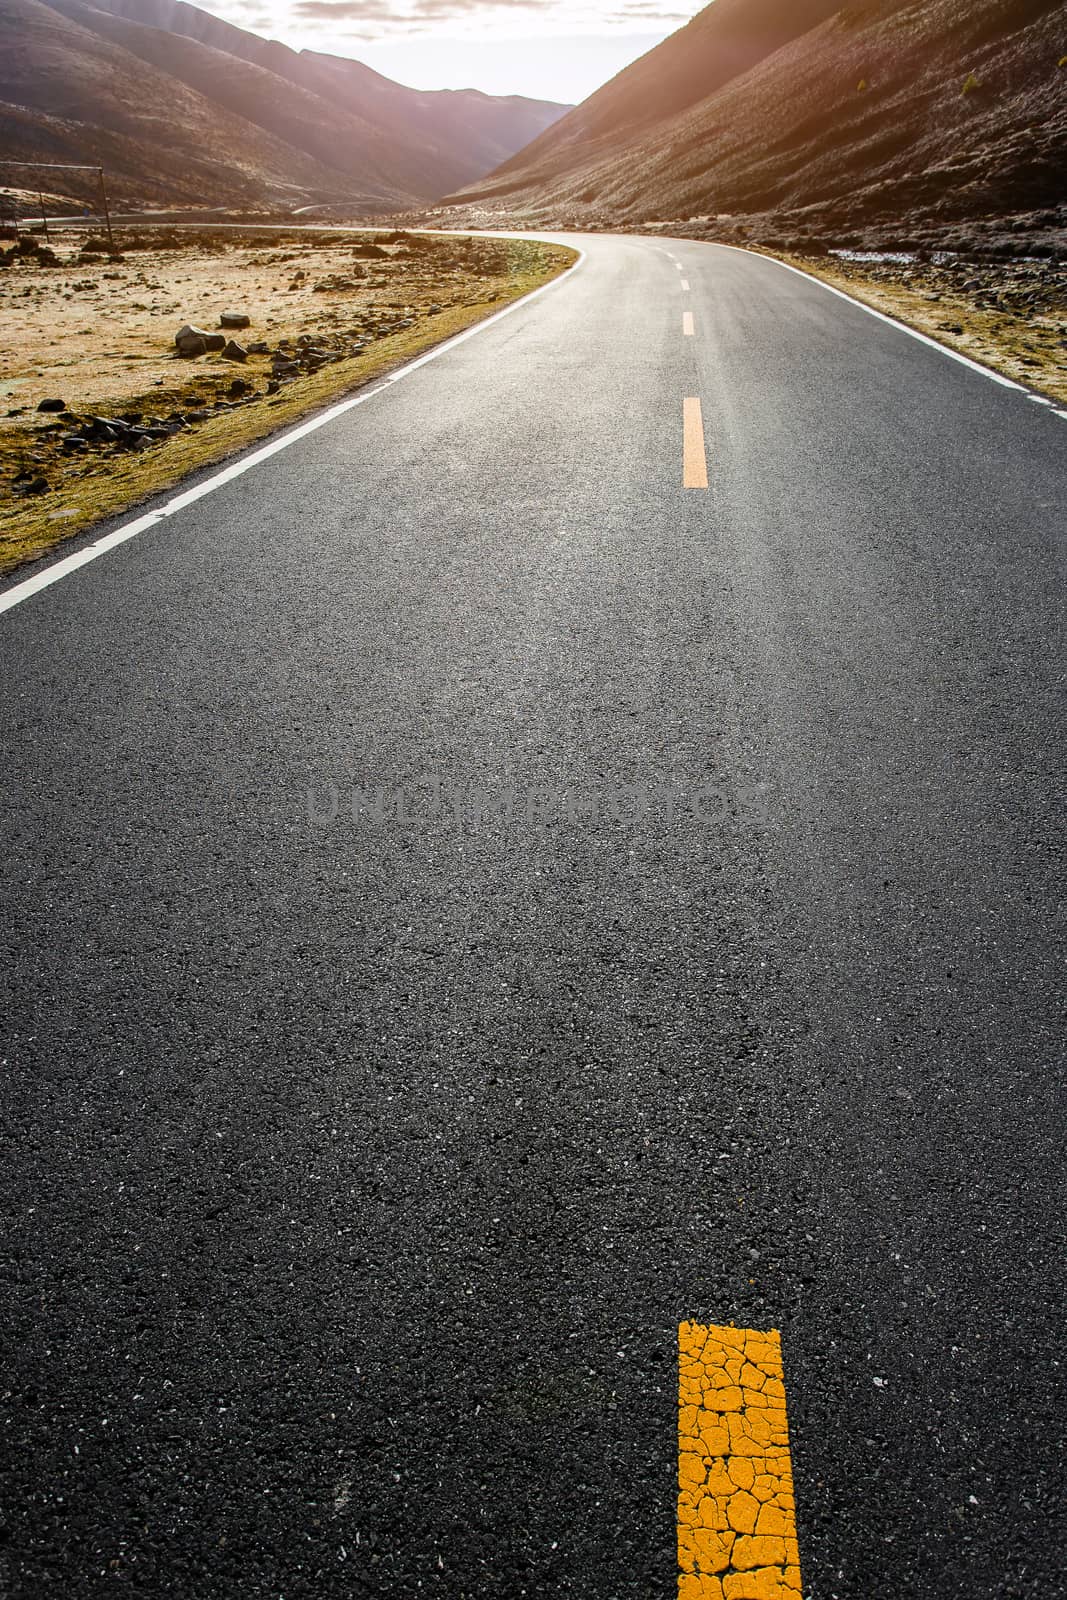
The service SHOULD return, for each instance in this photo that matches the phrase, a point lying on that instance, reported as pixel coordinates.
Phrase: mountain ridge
(248, 121)
(885, 113)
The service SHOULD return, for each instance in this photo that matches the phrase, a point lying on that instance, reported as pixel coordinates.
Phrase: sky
(549, 49)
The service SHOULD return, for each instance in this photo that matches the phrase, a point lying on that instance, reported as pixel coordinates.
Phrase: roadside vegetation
(1008, 315)
(93, 336)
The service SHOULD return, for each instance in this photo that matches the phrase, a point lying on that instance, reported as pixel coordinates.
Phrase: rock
(35, 486)
(234, 319)
(232, 351)
(273, 386)
(260, 348)
(103, 427)
(72, 442)
(52, 405)
(239, 386)
(190, 340)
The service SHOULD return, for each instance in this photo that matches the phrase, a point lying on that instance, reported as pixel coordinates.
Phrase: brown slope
(797, 136)
(362, 159)
(469, 132)
(725, 40)
(439, 138)
(68, 95)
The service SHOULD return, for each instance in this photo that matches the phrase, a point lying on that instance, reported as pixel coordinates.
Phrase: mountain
(456, 129)
(813, 116)
(183, 108)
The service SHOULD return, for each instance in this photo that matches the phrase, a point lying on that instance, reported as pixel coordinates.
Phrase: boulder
(232, 351)
(191, 341)
(234, 319)
(103, 428)
(52, 405)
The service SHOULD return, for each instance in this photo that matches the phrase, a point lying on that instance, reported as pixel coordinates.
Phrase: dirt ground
(97, 333)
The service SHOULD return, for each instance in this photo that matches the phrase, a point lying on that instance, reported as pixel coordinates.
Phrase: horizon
(558, 52)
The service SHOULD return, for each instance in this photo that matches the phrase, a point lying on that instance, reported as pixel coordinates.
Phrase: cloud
(644, 10)
(416, 11)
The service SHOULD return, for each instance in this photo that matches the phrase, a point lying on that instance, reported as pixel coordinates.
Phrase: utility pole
(107, 213)
(65, 166)
(44, 217)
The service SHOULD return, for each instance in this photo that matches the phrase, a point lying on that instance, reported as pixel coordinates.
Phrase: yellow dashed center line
(737, 1536)
(687, 323)
(694, 458)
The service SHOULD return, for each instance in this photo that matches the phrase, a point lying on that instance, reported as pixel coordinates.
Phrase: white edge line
(923, 338)
(129, 530)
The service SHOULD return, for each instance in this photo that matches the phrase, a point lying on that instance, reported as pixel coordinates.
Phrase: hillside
(185, 109)
(456, 130)
(884, 114)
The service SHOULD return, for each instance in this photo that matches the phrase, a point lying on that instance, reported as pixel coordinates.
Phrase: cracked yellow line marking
(694, 456)
(737, 1536)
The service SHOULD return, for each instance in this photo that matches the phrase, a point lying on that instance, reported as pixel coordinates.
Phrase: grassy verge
(91, 484)
(1008, 316)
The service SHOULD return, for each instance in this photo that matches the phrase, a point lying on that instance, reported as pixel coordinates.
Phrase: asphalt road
(358, 1172)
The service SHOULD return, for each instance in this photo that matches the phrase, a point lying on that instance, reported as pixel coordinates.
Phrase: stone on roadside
(52, 405)
(234, 319)
(191, 341)
(232, 351)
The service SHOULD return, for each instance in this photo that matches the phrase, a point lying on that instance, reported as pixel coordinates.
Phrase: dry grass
(1008, 316)
(108, 350)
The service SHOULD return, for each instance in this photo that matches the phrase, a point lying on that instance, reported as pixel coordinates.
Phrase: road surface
(364, 1152)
